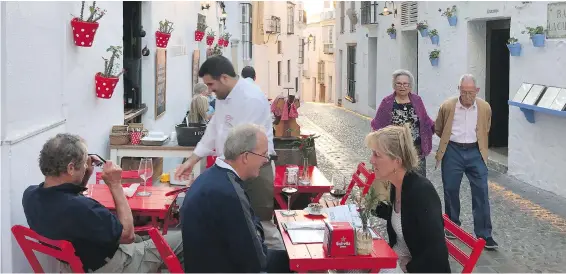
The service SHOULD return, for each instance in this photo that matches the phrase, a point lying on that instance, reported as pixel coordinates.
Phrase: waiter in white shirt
(238, 102)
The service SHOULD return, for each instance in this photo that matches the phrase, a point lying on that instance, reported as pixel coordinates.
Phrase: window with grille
(290, 18)
(369, 12)
(246, 23)
(327, 39)
(313, 43)
(351, 73)
(279, 47)
(352, 23)
(301, 51)
(342, 15)
(409, 13)
(278, 73)
(321, 72)
(289, 71)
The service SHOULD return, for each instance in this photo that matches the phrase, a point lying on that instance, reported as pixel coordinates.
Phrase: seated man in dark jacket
(220, 230)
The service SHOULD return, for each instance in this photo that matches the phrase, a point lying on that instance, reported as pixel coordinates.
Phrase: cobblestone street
(528, 223)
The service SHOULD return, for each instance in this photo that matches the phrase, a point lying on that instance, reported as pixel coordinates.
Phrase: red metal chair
(477, 245)
(210, 161)
(167, 255)
(30, 241)
(357, 181)
(127, 175)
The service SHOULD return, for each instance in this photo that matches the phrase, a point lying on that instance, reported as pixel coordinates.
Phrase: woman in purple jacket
(403, 107)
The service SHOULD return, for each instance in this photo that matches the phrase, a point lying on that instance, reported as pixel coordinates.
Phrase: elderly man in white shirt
(238, 102)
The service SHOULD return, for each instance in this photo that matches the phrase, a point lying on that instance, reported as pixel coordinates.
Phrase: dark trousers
(459, 160)
(277, 261)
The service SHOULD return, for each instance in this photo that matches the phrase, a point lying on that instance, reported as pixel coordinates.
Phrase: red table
(310, 257)
(155, 206)
(319, 184)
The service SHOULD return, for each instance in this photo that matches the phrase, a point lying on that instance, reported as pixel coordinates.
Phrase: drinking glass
(338, 188)
(145, 172)
(290, 181)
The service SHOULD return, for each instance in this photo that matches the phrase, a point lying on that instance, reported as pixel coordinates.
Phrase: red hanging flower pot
(83, 32)
(105, 86)
(226, 42)
(199, 35)
(221, 42)
(209, 40)
(161, 39)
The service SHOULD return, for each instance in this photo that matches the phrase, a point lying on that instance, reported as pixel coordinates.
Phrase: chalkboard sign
(160, 81)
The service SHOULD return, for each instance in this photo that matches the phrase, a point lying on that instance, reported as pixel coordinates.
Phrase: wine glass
(145, 172)
(290, 180)
(338, 188)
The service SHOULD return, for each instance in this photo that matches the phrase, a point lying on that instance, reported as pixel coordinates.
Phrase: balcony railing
(273, 25)
(328, 49)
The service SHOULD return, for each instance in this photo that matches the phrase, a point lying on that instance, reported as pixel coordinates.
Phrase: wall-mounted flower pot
(221, 42)
(161, 39)
(452, 21)
(393, 35)
(83, 32)
(538, 40)
(434, 62)
(514, 49)
(209, 40)
(226, 42)
(434, 39)
(105, 86)
(199, 35)
(424, 32)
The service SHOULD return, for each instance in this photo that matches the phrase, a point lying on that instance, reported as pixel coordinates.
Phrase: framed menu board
(160, 81)
(196, 63)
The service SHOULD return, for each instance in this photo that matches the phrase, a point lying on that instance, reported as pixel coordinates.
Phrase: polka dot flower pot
(83, 32)
(209, 40)
(135, 137)
(161, 39)
(104, 86)
(221, 42)
(226, 42)
(199, 35)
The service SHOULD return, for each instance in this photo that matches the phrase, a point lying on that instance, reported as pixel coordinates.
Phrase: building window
(328, 39)
(246, 22)
(303, 16)
(279, 47)
(351, 73)
(290, 18)
(352, 24)
(302, 51)
(279, 73)
(321, 72)
(369, 12)
(313, 43)
(274, 25)
(289, 71)
(342, 15)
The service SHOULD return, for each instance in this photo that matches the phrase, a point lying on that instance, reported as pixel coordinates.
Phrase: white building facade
(317, 56)
(47, 84)
(477, 45)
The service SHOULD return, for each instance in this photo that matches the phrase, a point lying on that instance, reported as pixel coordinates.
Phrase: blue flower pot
(434, 39)
(538, 40)
(424, 32)
(434, 62)
(393, 35)
(514, 49)
(452, 21)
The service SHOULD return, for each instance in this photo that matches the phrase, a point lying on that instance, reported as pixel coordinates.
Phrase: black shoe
(449, 235)
(491, 244)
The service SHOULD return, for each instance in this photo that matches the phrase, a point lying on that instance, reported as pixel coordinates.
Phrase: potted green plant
(514, 46)
(106, 81)
(84, 29)
(433, 57)
(210, 37)
(422, 27)
(164, 33)
(365, 204)
(450, 14)
(306, 146)
(433, 34)
(537, 35)
(226, 36)
(392, 31)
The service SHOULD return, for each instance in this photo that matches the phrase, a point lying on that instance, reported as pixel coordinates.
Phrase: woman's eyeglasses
(406, 85)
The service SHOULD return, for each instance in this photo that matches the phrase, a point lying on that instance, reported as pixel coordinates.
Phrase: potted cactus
(433, 57)
(450, 14)
(392, 31)
(226, 37)
(210, 37)
(164, 33)
(106, 81)
(514, 46)
(433, 34)
(84, 29)
(422, 27)
(537, 35)
(199, 33)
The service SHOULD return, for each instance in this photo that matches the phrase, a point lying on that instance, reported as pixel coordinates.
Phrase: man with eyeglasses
(239, 102)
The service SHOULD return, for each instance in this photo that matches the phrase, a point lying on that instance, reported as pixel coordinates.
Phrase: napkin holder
(339, 239)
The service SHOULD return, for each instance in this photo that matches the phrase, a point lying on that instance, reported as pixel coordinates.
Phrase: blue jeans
(459, 160)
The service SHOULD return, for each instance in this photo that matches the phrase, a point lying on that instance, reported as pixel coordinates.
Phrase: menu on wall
(556, 20)
(160, 81)
(196, 63)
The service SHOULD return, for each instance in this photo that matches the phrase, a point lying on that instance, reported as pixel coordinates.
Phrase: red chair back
(167, 255)
(357, 181)
(210, 161)
(30, 241)
(477, 245)
(126, 175)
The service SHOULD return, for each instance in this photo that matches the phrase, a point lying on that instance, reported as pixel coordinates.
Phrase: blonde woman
(199, 107)
(414, 216)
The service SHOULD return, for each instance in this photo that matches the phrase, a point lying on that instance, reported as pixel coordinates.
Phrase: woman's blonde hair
(199, 107)
(397, 143)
